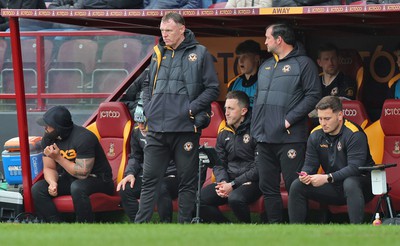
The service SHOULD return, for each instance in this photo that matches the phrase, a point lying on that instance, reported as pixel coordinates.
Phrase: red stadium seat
(118, 59)
(72, 70)
(354, 111)
(384, 142)
(29, 55)
(3, 48)
(209, 135)
(351, 64)
(390, 124)
(114, 136)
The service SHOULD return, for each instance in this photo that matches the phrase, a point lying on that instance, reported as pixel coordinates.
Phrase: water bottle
(377, 221)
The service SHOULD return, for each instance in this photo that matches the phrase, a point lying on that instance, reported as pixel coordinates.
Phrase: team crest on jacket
(192, 57)
(286, 68)
(246, 138)
(292, 153)
(334, 91)
(188, 146)
(339, 146)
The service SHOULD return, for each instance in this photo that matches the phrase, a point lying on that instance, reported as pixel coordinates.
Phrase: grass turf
(196, 234)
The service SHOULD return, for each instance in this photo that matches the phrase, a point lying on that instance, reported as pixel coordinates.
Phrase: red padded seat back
(124, 50)
(114, 124)
(209, 135)
(354, 111)
(390, 122)
(82, 51)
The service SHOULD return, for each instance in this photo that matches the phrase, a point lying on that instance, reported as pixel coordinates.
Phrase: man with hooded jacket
(177, 97)
(288, 89)
(74, 163)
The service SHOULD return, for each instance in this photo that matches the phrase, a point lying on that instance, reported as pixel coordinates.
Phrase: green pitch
(196, 234)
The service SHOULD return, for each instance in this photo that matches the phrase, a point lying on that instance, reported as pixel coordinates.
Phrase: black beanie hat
(59, 118)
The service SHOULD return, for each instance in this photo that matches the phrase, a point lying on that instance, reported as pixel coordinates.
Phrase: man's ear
(340, 115)
(319, 62)
(244, 111)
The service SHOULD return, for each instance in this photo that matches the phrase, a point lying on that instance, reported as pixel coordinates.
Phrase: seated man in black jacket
(130, 186)
(236, 175)
(340, 147)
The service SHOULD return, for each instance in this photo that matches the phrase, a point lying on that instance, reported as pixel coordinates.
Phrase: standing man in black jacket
(177, 97)
(236, 175)
(340, 147)
(288, 89)
(129, 187)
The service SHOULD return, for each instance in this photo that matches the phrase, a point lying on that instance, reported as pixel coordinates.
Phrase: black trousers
(271, 161)
(168, 192)
(354, 191)
(238, 201)
(183, 147)
(79, 189)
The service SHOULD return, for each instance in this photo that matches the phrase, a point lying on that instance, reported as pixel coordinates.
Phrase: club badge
(335, 91)
(111, 150)
(339, 146)
(246, 138)
(396, 150)
(192, 57)
(286, 68)
(292, 154)
(188, 146)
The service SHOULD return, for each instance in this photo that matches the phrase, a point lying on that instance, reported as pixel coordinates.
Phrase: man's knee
(296, 187)
(352, 184)
(235, 198)
(127, 192)
(39, 188)
(77, 190)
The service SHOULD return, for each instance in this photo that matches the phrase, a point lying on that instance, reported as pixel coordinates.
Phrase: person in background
(288, 89)
(172, 4)
(340, 147)
(248, 3)
(236, 174)
(96, 4)
(129, 187)
(248, 54)
(207, 3)
(294, 3)
(74, 163)
(177, 96)
(333, 81)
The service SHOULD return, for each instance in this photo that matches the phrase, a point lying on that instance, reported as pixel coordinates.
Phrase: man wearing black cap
(74, 163)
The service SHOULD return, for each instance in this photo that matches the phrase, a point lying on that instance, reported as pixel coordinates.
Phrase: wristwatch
(233, 184)
(330, 178)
